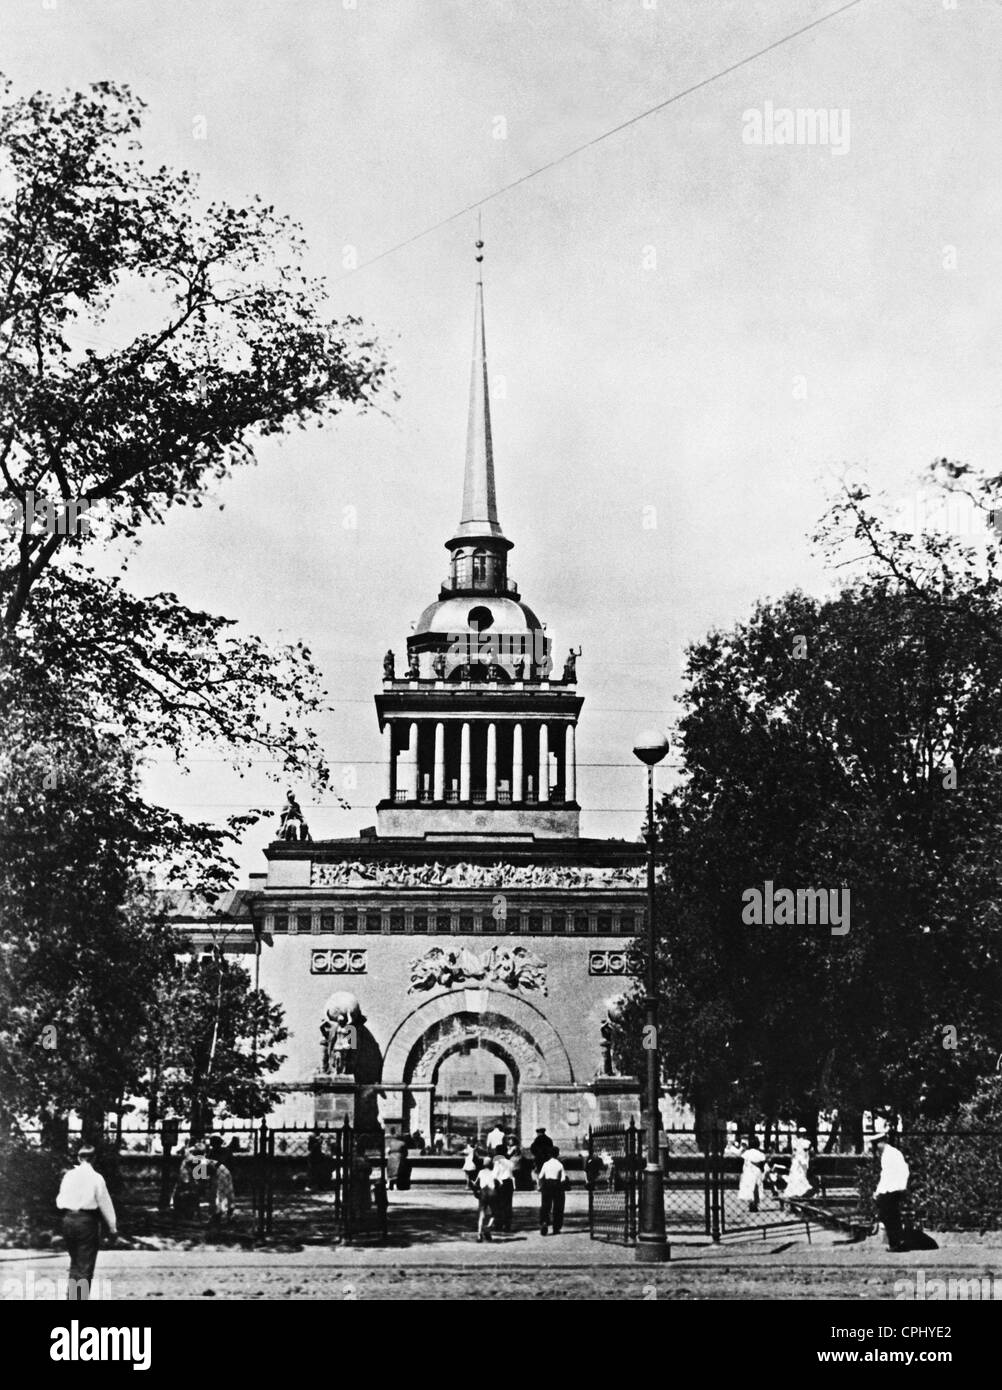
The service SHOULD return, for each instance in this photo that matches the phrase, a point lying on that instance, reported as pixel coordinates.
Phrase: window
(396, 922)
(480, 580)
(628, 925)
(443, 923)
(466, 922)
(487, 923)
(604, 924)
(535, 923)
(351, 921)
(282, 923)
(558, 923)
(326, 921)
(581, 923)
(420, 922)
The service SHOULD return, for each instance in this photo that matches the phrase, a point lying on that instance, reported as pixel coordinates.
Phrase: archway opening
(476, 1091)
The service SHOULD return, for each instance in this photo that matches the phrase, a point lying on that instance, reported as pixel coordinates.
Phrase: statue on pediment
(339, 1032)
(291, 823)
(571, 666)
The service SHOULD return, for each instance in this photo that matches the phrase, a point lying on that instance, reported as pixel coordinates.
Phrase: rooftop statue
(291, 823)
(571, 666)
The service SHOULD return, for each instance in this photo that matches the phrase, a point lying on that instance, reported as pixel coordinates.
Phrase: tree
(80, 953)
(235, 349)
(211, 1042)
(851, 742)
(228, 345)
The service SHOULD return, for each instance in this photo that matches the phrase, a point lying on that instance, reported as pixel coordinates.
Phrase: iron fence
(311, 1184)
(702, 1172)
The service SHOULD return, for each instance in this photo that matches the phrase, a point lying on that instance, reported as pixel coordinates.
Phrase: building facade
(455, 966)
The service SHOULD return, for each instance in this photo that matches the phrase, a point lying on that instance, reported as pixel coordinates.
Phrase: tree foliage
(148, 341)
(227, 344)
(211, 1042)
(865, 756)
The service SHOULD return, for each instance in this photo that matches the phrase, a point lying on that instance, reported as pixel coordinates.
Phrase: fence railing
(310, 1183)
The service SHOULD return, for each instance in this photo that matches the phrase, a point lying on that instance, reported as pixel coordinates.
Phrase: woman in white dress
(753, 1165)
(799, 1184)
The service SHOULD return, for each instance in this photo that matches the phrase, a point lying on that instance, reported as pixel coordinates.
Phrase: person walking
(798, 1183)
(471, 1163)
(541, 1148)
(890, 1190)
(484, 1187)
(752, 1169)
(504, 1191)
(83, 1199)
(397, 1166)
(552, 1185)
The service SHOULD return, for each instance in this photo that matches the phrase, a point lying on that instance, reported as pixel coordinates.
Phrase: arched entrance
(463, 1075)
(463, 1057)
(475, 1089)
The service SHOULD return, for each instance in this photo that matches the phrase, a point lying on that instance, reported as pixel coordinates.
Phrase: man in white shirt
(484, 1187)
(890, 1190)
(83, 1198)
(552, 1182)
(495, 1140)
(504, 1190)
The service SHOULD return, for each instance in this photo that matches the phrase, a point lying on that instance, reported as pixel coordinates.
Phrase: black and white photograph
(501, 664)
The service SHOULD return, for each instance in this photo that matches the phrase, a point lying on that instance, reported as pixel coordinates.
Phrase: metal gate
(700, 1186)
(612, 1174)
(320, 1184)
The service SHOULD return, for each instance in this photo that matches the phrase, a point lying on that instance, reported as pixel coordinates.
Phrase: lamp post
(652, 1243)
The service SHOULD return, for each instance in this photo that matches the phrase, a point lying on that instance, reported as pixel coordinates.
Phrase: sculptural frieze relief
(351, 873)
(516, 967)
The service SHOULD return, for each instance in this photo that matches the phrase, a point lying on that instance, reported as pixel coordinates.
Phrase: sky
(688, 333)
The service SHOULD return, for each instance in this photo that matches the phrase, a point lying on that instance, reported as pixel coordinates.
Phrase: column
(412, 761)
(492, 762)
(388, 761)
(570, 766)
(438, 791)
(544, 762)
(516, 763)
(464, 762)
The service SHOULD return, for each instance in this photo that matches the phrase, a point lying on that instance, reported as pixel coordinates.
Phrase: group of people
(492, 1171)
(762, 1173)
(204, 1180)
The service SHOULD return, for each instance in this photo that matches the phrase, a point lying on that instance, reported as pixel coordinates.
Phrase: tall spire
(480, 512)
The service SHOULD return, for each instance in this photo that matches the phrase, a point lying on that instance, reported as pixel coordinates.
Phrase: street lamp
(652, 1242)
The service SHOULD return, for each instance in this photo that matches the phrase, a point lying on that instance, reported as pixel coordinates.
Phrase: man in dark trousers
(890, 1190)
(83, 1199)
(552, 1182)
(540, 1148)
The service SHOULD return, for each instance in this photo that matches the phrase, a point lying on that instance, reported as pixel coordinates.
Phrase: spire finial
(479, 517)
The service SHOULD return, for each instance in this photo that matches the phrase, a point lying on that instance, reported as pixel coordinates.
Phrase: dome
(490, 614)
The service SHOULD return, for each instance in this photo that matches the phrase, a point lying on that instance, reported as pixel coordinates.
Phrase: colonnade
(478, 760)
